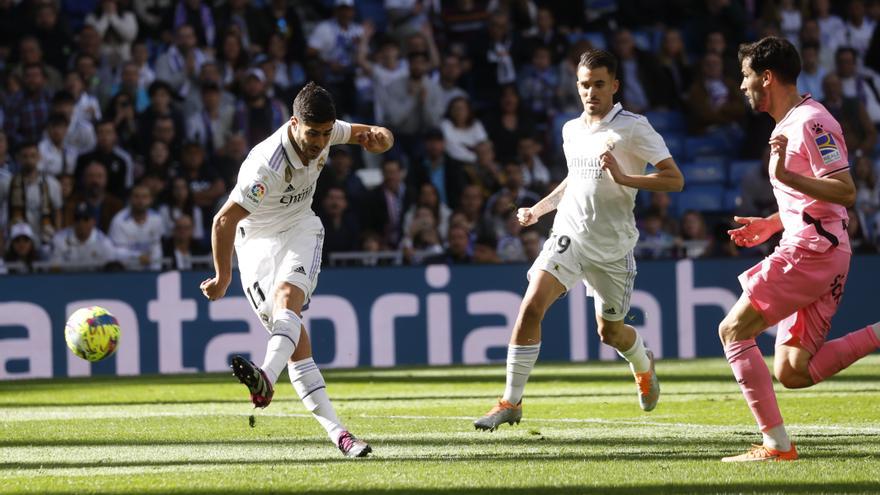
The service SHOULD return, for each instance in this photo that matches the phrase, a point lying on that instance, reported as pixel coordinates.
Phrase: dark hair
(469, 119)
(777, 55)
(809, 44)
(846, 49)
(313, 104)
(56, 118)
(28, 143)
(62, 97)
(595, 58)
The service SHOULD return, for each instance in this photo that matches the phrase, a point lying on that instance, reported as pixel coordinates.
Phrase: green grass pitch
(582, 432)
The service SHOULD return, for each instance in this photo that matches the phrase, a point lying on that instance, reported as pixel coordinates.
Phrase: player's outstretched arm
(373, 138)
(528, 216)
(667, 178)
(222, 241)
(754, 230)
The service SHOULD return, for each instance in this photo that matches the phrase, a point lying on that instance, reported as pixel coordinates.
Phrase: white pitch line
(109, 414)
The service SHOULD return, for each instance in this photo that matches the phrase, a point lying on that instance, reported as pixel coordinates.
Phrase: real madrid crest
(321, 162)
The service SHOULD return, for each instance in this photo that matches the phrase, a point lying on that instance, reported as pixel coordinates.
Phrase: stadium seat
(732, 199)
(706, 198)
(666, 121)
(373, 10)
(675, 143)
(595, 38)
(704, 172)
(695, 146)
(738, 169)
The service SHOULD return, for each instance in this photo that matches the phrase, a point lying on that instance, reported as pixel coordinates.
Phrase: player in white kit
(594, 232)
(278, 241)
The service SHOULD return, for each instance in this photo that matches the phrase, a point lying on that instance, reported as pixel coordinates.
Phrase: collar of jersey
(287, 147)
(606, 119)
(804, 98)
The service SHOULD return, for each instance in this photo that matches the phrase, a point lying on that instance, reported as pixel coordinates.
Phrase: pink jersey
(815, 149)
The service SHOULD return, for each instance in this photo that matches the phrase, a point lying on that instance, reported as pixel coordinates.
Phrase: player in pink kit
(800, 284)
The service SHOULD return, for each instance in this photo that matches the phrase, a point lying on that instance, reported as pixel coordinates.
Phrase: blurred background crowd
(124, 122)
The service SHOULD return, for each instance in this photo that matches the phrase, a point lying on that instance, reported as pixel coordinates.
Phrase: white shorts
(610, 283)
(292, 256)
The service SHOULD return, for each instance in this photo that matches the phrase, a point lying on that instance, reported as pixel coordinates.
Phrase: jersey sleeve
(647, 144)
(825, 147)
(341, 133)
(254, 181)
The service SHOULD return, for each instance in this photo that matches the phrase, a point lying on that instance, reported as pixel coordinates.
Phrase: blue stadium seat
(373, 10)
(595, 38)
(704, 172)
(739, 168)
(675, 143)
(732, 199)
(644, 40)
(706, 198)
(695, 146)
(666, 121)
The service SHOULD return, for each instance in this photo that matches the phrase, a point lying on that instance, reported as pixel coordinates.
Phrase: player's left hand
(778, 145)
(214, 288)
(609, 163)
(374, 141)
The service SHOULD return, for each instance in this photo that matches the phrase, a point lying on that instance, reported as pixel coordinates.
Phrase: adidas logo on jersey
(611, 311)
(289, 188)
(300, 269)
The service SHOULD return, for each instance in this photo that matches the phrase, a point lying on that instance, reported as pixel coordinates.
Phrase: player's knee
(728, 332)
(791, 378)
(532, 311)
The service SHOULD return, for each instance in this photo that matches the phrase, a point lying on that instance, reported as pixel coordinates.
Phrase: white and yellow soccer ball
(92, 333)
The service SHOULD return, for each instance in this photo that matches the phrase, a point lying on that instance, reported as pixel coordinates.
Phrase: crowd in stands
(124, 122)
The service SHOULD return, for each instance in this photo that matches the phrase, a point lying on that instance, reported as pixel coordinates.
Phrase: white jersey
(139, 238)
(274, 185)
(68, 249)
(594, 208)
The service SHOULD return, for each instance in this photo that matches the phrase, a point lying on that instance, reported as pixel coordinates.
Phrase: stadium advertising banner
(436, 315)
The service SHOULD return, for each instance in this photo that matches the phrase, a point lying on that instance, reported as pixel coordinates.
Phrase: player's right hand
(526, 217)
(214, 288)
(754, 231)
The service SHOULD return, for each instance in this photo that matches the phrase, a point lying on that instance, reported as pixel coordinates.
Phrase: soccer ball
(92, 333)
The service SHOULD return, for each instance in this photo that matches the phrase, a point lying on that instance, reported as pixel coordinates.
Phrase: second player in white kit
(278, 241)
(607, 150)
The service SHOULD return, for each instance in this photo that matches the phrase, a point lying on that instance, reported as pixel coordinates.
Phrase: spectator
(86, 107)
(249, 20)
(233, 59)
(120, 172)
(861, 84)
(486, 172)
(494, 56)
(641, 80)
(758, 199)
(140, 57)
(7, 165)
(387, 67)
(56, 158)
(54, 38)
(514, 190)
(464, 22)
(206, 184)
(462, 131)
(694, 235)
(82, 243)
(341, 174)
(230, 158)
(286, 23)
(428, 198)
(105, 205)
(716, 43)
(531, 242)
(257, 115)
(138, 230)
(197, 14)
(811, 34)
(90, 63)
(155, 17)
(31, 53)
(715, 103)
(859, 239)
(23, 246)
(118, 28)
(536, 176)
(568, 99)
(422, 239)
(510, 246)
(181, 63)
(129, 83)
(161, 106)
(812, 74)
(457, 249)
(471, 206)
(411, 106)
(675, 66)
(27, 111)
(181, 203)
(450, 77)
(180, 248)
(867, 204)
(830, 26)
(213, 123)
(654, 241)
(539, 85)
(80, 131)
(438, 168)
(341, 229)
(159, 160)
(121, 112)
(386, 204)
(660, 204)
(508, 124)
(486, 249)
(858, 130)
(289, 74)
(858, 29)
(545, 33)
(33, 197)
(335, 42)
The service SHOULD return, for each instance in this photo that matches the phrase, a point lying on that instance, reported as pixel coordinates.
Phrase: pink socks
(839, 353)
(754, 379)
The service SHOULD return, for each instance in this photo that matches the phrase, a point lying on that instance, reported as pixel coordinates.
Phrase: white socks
(777, 438)
(310, 386)
(520, 361)
(286, 327)
(637, 356)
